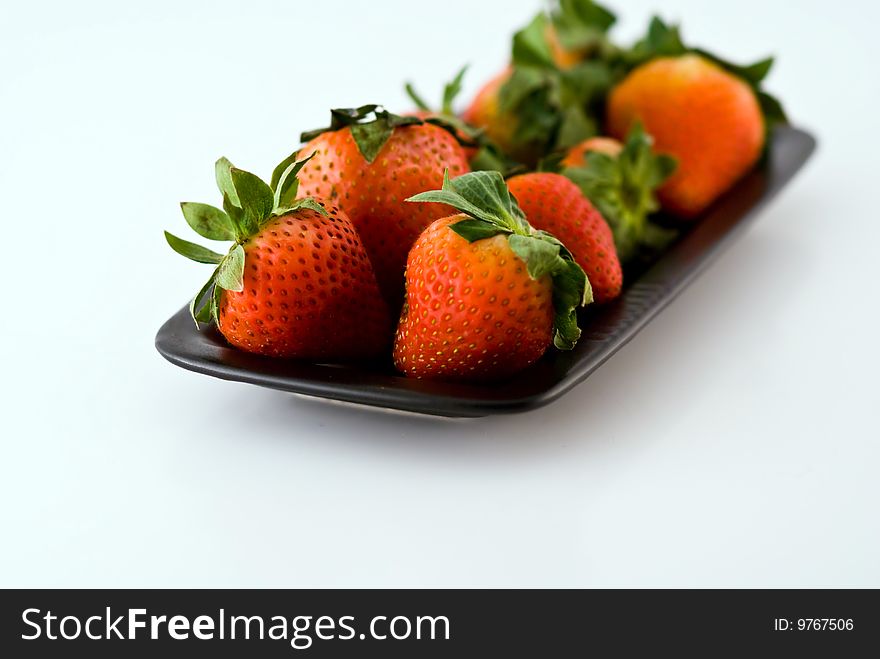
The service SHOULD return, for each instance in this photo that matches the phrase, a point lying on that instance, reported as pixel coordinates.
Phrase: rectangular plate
(606, 328)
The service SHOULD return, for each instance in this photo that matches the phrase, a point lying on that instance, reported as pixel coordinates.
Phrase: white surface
(733, 443)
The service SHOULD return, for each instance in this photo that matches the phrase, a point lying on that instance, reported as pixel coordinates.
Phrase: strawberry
(710, 115)
(550, 97)
(297, 282)
(369, 162)
(577, 155)
(553, 203)
(485, 113)
(486, 294)
(621, 180)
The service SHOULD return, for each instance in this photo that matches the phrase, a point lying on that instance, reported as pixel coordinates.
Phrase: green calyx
(372, 126)
(450, 92)
(581, 25)
(664, 40)
(622, 188)
(248, 204)
(484, 197)
(555, 108)
(488, 156)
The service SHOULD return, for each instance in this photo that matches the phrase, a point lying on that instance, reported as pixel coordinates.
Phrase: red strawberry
(297, 282)
(553, 203)
(486, 294)
(369, 168)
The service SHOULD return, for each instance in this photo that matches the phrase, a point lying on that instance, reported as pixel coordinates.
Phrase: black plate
(606, 328)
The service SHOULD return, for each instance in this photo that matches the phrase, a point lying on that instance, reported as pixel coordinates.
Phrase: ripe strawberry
(577, 155)
(297, 282)
(500, 126)
(710, 115)
(551, 94)
(621, 180)
(368, 163)
(485, 293)
(553, 203)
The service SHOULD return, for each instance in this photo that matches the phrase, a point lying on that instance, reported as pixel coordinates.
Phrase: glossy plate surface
(606, 328)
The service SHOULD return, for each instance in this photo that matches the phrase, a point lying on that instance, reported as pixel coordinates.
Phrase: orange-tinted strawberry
(368, 163)
(576, 155)
(486, 294)
(711, 115)
(705, 117)
(297, 282)
(485, 113)
(621, 182)
(554, 204)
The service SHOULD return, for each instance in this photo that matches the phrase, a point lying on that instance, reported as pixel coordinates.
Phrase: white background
(733, 443)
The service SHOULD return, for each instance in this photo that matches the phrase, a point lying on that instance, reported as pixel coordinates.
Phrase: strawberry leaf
(571, 290)
(342, 117)
(481, 195)
(230, 273)
(530, 47)
(371, 137)
(223, 174)
(581, 24)
(192, 251)
(255, 199)
(215, 304)
(754, 74)
(299, 204)
(575, 128)
(774, 113)
(543, 255)
(550, 107)
(662, 40)
(522, 83)
(451, 92)
(235, 214)
(281, 168)
(287, 184)
(586, 84)
(207, 221)
(206, 313)
(199, 308)
(472, 230)
(420, 103)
